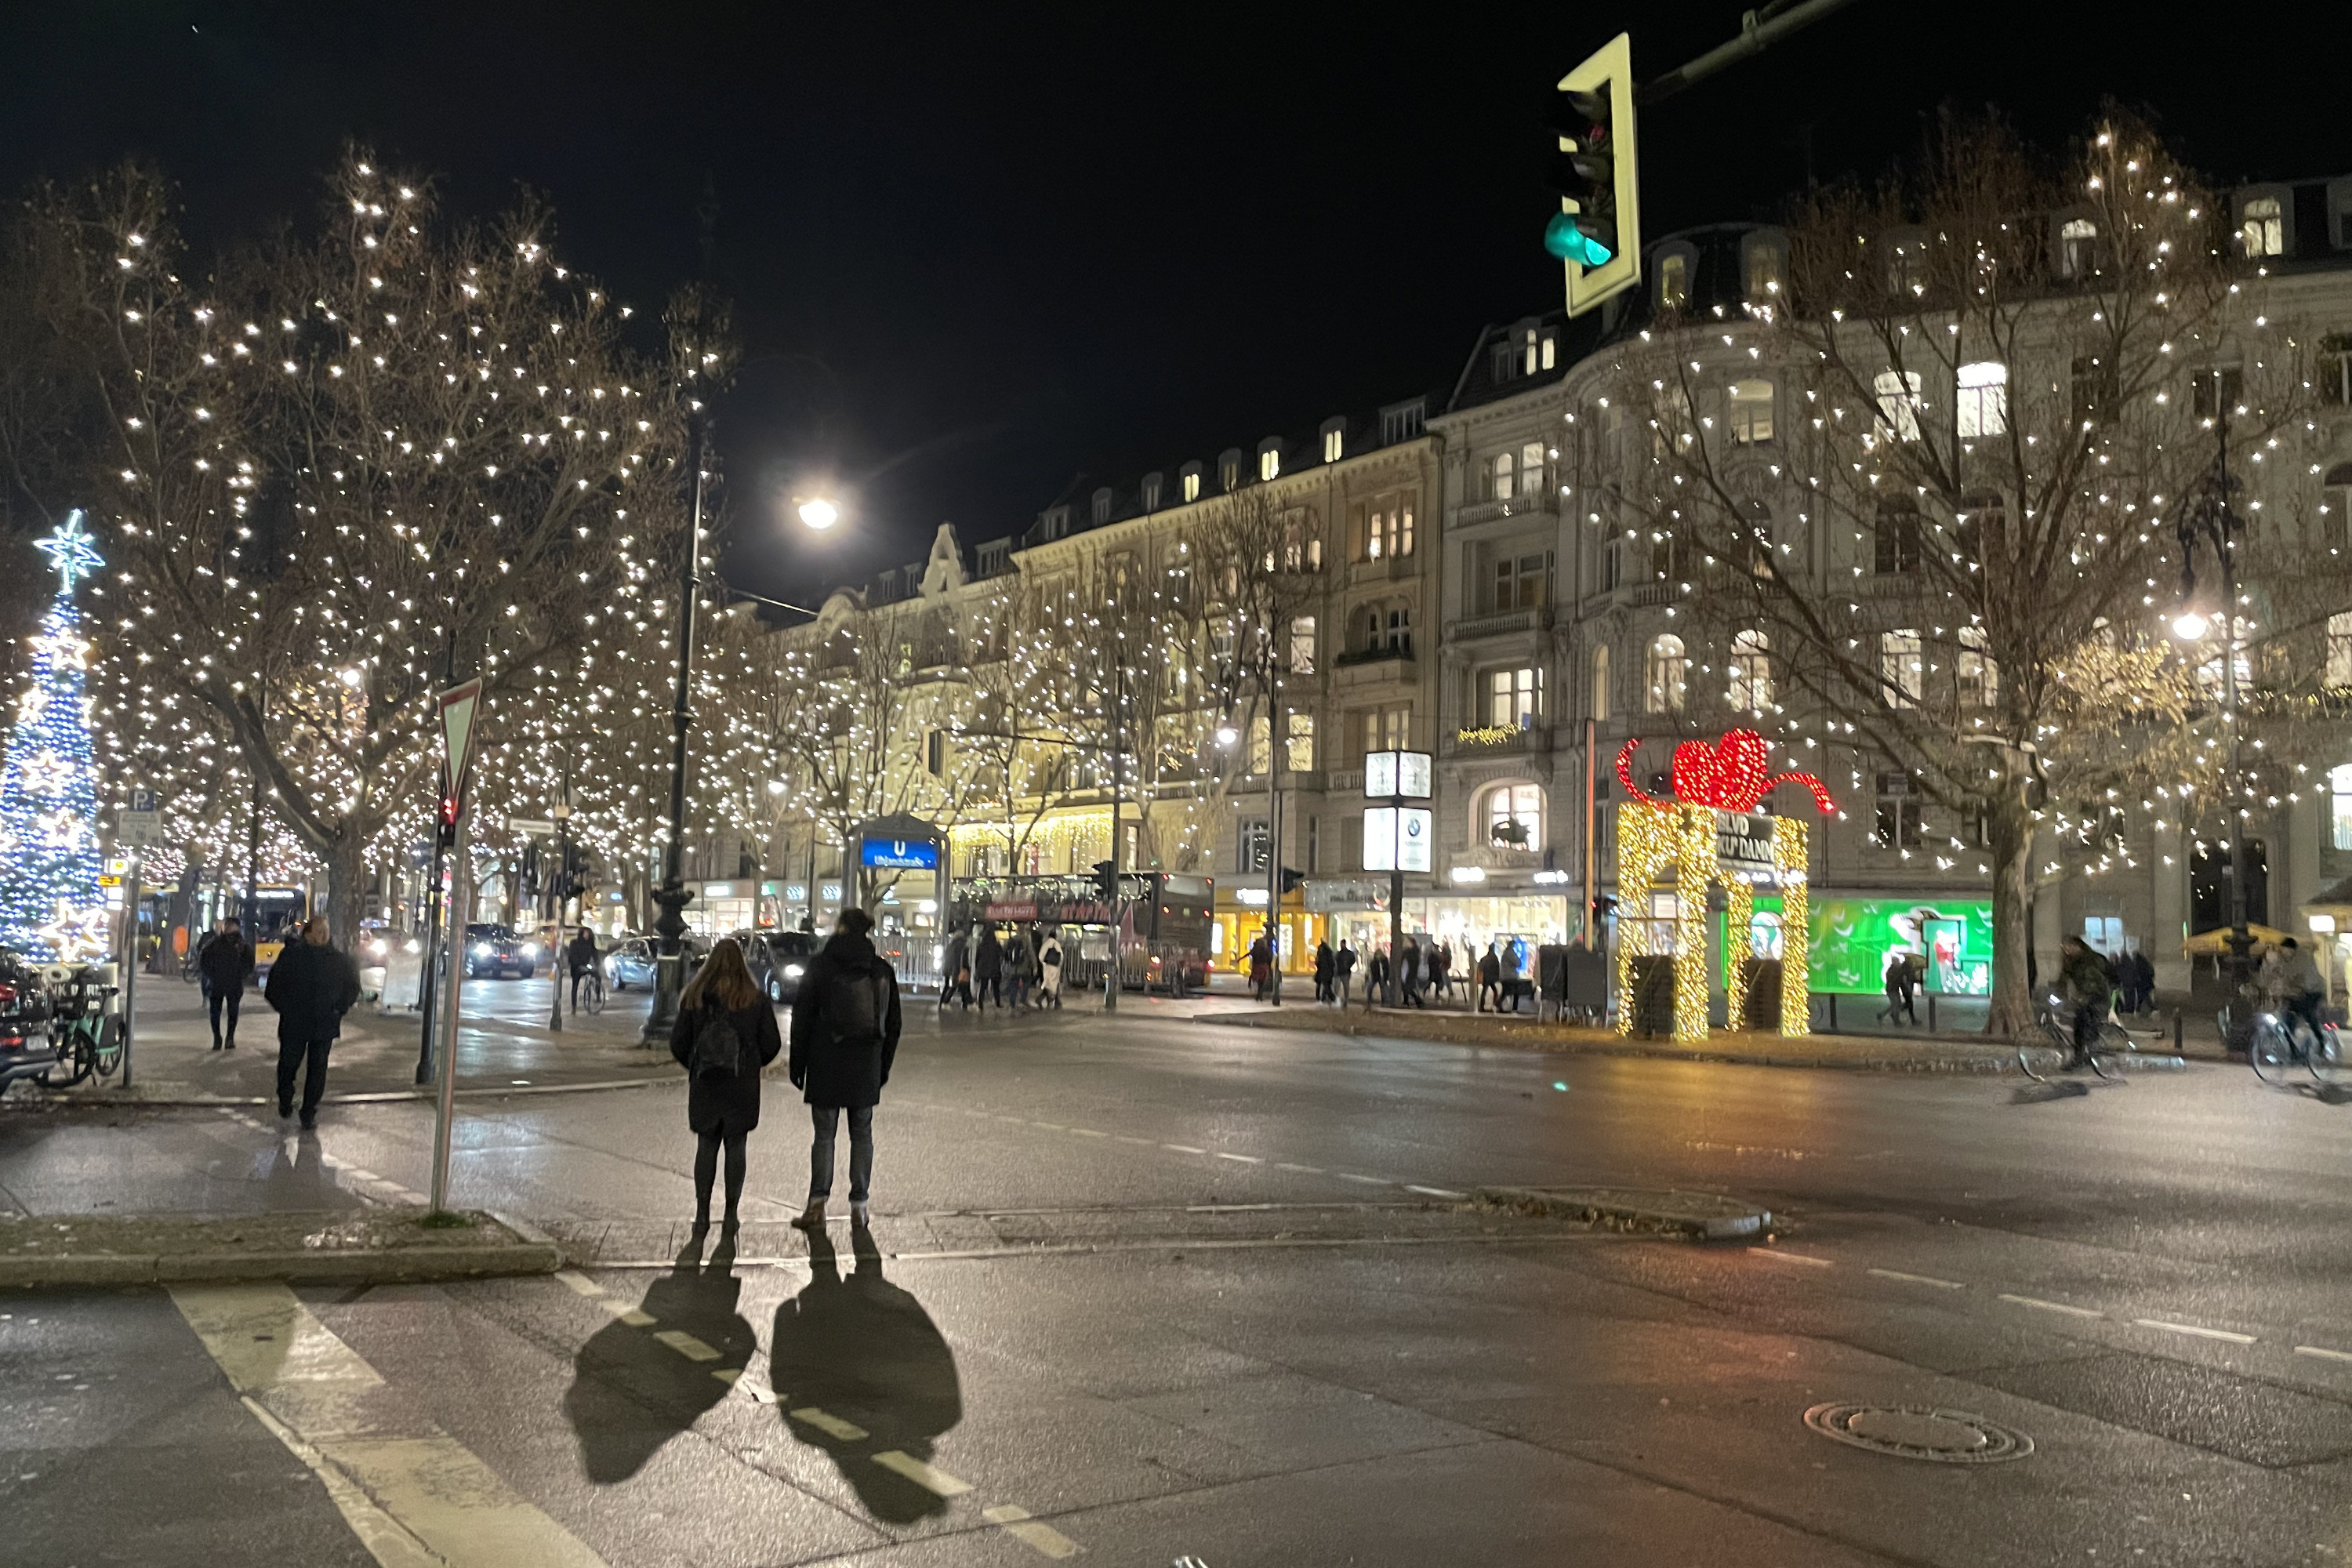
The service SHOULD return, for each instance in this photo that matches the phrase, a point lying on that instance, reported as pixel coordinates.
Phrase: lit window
(1898, 402)
(1333, 441)
(1980, 681)
(2339, 784)
(2078, 247)
(1551, 352)
(1752, 411)
(1404, 529)
(1260, 744)
(1901, 667)
(1299, 753)
(1984, 398)
(1516, 697)
(1763, 271)
(1302, 644)
(1751, 672)
(1499, 481)
(1668, 676)
(1514, 815)
(2263, 228)
(2339, 650)
(1674, 280)
(1269, 464)
(1192, 484)
(1533, 353)
(1601, 709)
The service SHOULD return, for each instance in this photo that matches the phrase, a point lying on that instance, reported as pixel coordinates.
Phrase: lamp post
(671, 896)
(2212, 518)
(561, 812)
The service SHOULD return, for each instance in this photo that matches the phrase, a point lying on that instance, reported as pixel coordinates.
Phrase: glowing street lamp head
(1227, 734)
(2189, 626)
(775, 786)
(819, 513)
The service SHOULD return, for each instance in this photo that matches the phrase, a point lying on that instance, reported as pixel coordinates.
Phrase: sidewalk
(1873, 1053)
(504, 1046)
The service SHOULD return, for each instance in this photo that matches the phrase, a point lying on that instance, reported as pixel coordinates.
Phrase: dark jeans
(2306, 1008)
(579, 978)
(291, 1056)
(861, 1149)
(228, 996)
(959, 990)
(706, 1168)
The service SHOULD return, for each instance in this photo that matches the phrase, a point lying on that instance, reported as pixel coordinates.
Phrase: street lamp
(561, 812)
(2210, 517)
(819, 513)
(669, 926)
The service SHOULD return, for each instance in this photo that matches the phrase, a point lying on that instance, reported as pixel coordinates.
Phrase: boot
(811, 1217)
(860, 1214)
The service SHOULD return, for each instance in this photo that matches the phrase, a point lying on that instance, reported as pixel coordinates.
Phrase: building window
(1896, 544)
(1751, 412)
(1513, 815)
(2335, 506)
(1401, 422)
(1902, 668)
(1551, 352)
(1150, 489)
(1189, 482)
(2333, 369)
(1334, 444)
(1500, 485)
(1299, 753)
(1668, 676)
(935, 753)
(1399, 630)
(1515, 698)
(2261, 228)
(1252, 844)
(1600, 705)
(1302, 644)
(1388, 728)
(2079, 252)
(1229, 471)
(2339, 785)
(1898, 403)
(1269, 464)
(1751, 672)
(2222, 389)
(1897, 825)
(2339, 650)
(1766, 263)
(1260, 744)
(1522, 583)
(1973, 670)
(1674, 280)
(2095, 391)
(1984, 398)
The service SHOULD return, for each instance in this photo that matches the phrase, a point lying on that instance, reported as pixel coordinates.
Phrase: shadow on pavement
(296, 1175)
(863, 1351)
(2043, 1093)
(632, 1392)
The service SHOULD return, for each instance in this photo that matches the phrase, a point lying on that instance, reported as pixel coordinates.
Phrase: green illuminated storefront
(1853, 940)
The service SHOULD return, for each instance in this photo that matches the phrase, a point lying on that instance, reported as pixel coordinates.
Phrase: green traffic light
(1567, 240)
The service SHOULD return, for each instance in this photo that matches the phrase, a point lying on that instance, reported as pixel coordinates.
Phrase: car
(496, 950)
(28, 1049)
(778, 959)
(630, 962)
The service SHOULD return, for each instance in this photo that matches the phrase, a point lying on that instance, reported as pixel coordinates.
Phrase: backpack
(858, 1006)
(718, 1052)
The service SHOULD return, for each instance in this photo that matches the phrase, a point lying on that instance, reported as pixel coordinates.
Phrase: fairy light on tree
(49, 902)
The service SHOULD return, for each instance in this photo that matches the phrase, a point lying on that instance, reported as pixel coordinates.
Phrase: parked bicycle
(2282, 1041)
(2108, 1052)
(87, 1038)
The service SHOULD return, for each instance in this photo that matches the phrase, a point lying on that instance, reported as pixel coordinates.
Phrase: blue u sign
(899, 855)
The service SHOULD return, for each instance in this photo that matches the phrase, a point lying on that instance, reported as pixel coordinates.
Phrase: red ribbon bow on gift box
(1731, 774)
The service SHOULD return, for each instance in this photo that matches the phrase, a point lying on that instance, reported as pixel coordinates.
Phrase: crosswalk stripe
(922, 1474)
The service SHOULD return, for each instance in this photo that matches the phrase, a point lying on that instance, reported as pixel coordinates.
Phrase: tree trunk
(347, 887)
(2011, 833)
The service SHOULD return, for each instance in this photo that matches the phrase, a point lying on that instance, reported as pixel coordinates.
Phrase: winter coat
(1490, 969)
(955, 960)
(1376, 973)
(725, 1104)
(1344, 961)
(828, 1069)
(1049, 962)
(1323, 962)
(226, 961)
(2087, 976)
(311, 986)
(581, 953)
(987, 962)
(1410, 960)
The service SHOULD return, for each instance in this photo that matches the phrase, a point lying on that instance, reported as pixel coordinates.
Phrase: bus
(278, 916)
(1163, 923)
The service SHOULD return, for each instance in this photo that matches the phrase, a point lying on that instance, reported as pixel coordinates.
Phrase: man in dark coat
(1323, 965)
(311, 986)
(845, 1038)
(955, 970)
(1490, 978)
(1343, 971)
(987, 968)
(2144, 978)
(580, 954)
(1409, 973)
(225, 962)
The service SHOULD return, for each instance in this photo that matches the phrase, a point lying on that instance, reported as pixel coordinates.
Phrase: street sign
(899, 855)
(140, 823)
(1397, 839)
(459, 706)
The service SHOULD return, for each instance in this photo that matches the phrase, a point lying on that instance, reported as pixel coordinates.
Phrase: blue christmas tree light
(50, 906)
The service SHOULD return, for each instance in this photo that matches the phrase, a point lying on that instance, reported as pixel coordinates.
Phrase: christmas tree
(49, 902)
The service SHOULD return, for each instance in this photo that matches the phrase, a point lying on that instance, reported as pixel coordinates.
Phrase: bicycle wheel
(2330, 1060)
(106, 1046)
(2031, 1055)
(595, 992)
(72, 1065)
(2269, 1051)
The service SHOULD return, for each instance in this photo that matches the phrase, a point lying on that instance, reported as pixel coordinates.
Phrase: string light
(50, 906)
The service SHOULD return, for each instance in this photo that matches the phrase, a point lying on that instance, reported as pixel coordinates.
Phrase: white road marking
(1183, 1148)
(2202, 1333)
(1776, 1256)
(1016, 1522)
(924, 1476)
(1050, 1126)
(2040, 1305)
(1089, 1132)
(1917, 1279)
(1368, 1180)
(687, 1345)
(1239, 1159)
(580, 1282)
(1434, 1192)
(1287, 1165)
(2323, 1354)
(832, 1425)
(1130, 1138)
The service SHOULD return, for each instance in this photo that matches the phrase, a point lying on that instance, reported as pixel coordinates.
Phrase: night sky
(985, 255)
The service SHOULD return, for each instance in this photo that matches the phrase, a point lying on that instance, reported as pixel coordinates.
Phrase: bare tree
(1919, 501)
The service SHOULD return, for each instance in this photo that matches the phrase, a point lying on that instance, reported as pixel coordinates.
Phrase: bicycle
(89, 1039)
(590, 997)
(2110, 1045)
(2282, 1040)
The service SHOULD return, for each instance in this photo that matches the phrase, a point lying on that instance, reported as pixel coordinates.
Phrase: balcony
(1477, 513)
(1502, 623)
(1496, 740)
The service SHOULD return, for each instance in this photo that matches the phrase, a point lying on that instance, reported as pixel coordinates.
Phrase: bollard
(1931, 1012)
(2176, 1031)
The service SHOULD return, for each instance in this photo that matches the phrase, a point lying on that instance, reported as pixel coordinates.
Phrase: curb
(117, 1101)
(534, 1254)
(1702, 1217)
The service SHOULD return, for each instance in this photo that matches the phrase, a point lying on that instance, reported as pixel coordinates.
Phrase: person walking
(311, 987)
(1490, 978)
(579, 952)
(845, 1037)
(1324, 960)
(1019, 968)
(1509, 975)
(2086, 975)
(225, 961)
(2144, 980)
(726, 1032)
(956, 970)
(1376, 978)
(1049, 972)
(1343, 970)
(1441, 959)
(988, 968)
(1409, 973)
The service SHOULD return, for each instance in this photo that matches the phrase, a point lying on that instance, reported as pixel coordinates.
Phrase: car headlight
(378, 948)
(530, 950)
(793, 971)
(481, 949)
(414, 946)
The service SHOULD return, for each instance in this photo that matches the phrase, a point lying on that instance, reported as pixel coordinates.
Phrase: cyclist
(2296, 978)
(580, 951)
(2085, 973)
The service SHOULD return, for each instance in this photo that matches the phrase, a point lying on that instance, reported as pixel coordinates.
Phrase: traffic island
(1702, 1217)
(369, 1246)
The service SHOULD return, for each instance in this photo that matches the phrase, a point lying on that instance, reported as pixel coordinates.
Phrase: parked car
(778, 960)
(496, 950)
(631, 959)
(26, 1049)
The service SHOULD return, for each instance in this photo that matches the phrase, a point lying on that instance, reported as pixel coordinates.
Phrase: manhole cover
(1919, 1432)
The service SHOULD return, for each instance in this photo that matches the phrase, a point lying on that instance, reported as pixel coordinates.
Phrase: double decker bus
(1163, 920)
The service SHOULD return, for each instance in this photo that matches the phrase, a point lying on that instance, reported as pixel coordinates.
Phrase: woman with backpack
(725, 1033)
(845, 1035)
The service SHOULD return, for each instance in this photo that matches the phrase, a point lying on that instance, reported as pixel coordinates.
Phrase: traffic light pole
(1114, 979)
(1758, 30)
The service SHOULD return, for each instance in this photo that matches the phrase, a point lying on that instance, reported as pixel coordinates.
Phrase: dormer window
(1269, 459)
(1151, 492)
(1550, 351)
(1229, 471)
(1906, 252)
(2078, 249)
(1764, 265)
(2261, 223)
(1335, 440)
(1188, 477)
(1401, 421)
(1102, 506)
(1674, 279)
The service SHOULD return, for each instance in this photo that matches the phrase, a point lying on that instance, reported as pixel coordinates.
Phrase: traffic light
(1291, 880)
(1597, 232)
(1106, 883)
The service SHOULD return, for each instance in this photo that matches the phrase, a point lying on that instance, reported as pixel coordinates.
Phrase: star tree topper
(71, 554)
